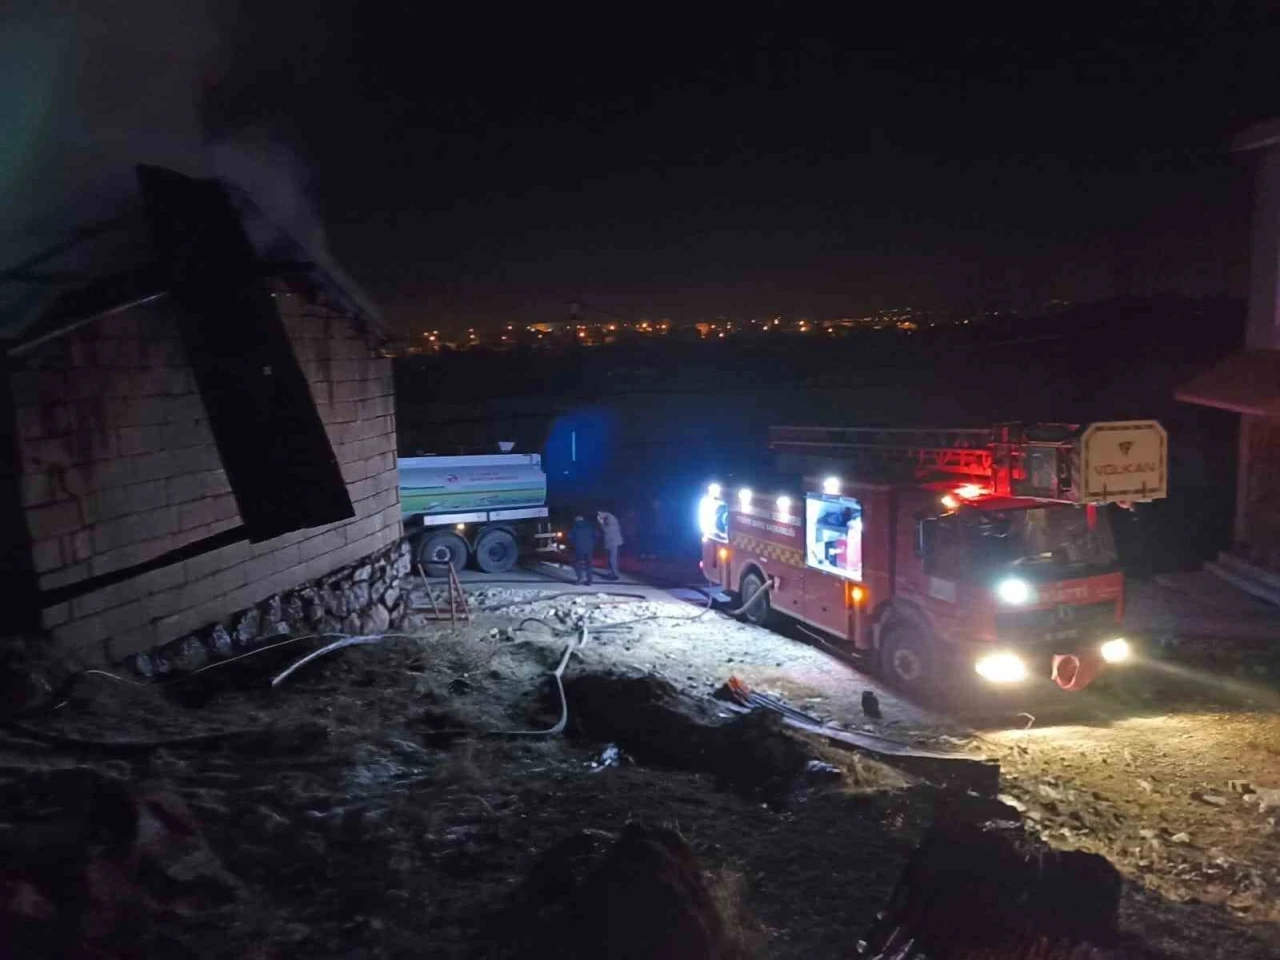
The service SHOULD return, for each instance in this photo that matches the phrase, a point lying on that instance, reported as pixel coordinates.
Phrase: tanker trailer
(487, 508)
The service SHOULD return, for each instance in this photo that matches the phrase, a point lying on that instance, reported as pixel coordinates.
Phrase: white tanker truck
(488, 508)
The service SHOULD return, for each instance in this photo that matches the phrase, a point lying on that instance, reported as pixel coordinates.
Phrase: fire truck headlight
(713, 491)
(744, 497)
(1014, 591)
(707, 516)
(1001, 668)
(1116, 651)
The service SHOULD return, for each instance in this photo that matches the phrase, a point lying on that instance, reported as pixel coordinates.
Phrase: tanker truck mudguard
(947, 553)
(485, 509)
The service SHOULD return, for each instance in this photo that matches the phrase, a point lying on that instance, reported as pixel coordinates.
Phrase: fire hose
(750, 601)
(344, 641)
(580, 641)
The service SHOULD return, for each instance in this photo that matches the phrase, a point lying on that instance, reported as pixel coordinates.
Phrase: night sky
(670, 163)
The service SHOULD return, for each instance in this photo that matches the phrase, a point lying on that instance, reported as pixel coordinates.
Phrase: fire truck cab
(932, 551)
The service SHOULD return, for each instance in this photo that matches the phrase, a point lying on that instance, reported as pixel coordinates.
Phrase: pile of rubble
(1188, 840)
(642, 895)
(87, 860)
(975, 888)
(979, 888)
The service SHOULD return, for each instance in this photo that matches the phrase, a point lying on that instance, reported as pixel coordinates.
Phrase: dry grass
(861, 774)
(744, 934)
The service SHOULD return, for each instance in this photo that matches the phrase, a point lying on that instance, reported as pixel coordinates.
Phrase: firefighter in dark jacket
(583, 538)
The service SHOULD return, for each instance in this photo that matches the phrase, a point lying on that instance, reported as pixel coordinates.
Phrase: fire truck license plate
(1072, 634)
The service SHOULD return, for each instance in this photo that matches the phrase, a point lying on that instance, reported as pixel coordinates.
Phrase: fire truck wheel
(905, 658)
(753, 584)
(496, 551)
(438, 549)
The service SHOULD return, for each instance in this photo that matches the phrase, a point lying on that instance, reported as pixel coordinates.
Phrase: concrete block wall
(119, 467)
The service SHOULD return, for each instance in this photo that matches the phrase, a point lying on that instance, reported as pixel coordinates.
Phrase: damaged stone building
(201, 422)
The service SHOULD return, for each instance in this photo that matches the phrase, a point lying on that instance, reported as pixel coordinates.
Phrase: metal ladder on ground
(456, 600)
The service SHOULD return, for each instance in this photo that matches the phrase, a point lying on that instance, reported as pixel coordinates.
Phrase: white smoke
(256, 161)
(90, 90)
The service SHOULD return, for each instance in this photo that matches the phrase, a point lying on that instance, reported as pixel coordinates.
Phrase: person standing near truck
(612, 534)
(583, 537)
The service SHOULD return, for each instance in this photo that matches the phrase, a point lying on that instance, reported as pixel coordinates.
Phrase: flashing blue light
(713, 518)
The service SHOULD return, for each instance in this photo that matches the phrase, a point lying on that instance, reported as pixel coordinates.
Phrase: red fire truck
(932, 551)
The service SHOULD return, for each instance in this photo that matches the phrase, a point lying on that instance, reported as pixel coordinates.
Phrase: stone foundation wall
(365, 597)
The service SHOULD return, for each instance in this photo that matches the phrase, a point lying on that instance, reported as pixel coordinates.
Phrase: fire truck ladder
(997, 457)
(963, 454)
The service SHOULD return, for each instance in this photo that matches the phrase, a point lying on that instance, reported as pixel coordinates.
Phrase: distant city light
(572, 334)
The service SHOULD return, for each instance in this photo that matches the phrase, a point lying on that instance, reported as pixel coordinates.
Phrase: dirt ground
(398, 794)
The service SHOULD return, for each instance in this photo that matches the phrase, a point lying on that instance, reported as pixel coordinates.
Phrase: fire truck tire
(496, 551)
(905, 658)
(753, 584)
(438, 548)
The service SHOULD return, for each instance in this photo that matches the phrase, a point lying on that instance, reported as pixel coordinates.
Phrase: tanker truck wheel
(496, 551)
(438, 548)
(906, 660)
(758, 612)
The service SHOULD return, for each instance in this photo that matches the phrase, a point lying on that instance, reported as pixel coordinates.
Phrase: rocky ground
(1168, 800)
(392, 799)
